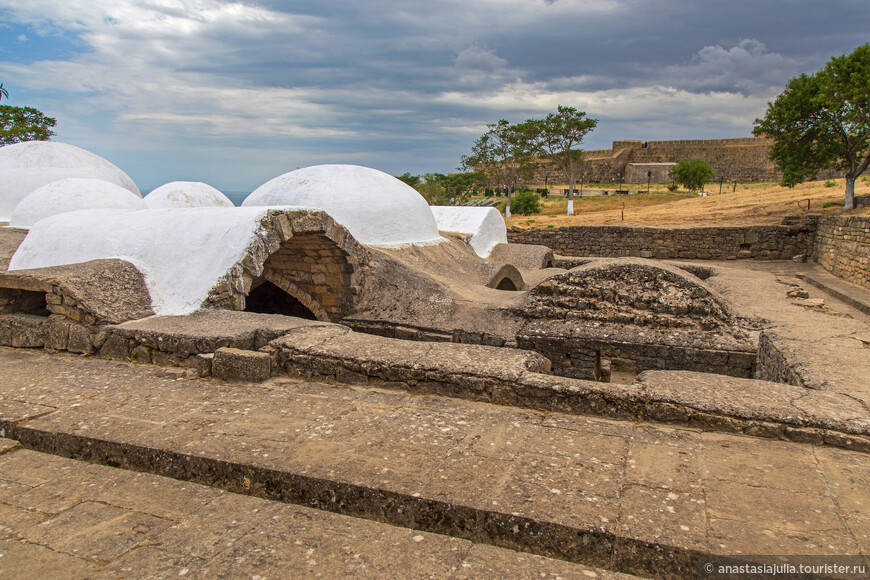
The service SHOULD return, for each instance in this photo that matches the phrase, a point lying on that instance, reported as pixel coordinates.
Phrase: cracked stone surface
(824, 344)
(143, 525)
(621, 485)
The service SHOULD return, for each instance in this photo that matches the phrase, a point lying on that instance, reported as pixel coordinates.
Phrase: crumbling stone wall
(705, 243)
(842, 246)
(651, 315)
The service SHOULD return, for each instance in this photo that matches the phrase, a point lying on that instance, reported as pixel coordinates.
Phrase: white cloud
(475, 58)
(747, 67)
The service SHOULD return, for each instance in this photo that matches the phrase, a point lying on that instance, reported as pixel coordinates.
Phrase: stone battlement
(741, 159)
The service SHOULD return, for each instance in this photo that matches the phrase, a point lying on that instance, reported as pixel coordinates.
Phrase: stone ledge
(233, 364)
(509, 377)
(580, 542)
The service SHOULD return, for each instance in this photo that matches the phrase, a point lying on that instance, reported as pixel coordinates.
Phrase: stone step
(630, 497)
(63, 518)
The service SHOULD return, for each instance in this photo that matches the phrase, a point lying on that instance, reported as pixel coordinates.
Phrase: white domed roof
(72, 194)
(27, 166)
(376, 208)
(186, 194)
(484, 224)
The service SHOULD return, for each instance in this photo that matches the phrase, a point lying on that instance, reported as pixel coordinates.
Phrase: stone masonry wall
(842, 246)
(706, 243)
(742, 159)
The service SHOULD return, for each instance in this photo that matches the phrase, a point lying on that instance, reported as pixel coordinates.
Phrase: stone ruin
(591, 319)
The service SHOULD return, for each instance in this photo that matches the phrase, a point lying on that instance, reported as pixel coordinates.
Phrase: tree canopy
(557, 138)
(504, 153)
(19, 124)
(692, 174)
(508, 152)
(822, 121)
(440, 189)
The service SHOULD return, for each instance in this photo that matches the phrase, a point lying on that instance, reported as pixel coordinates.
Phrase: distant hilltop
(742, 159)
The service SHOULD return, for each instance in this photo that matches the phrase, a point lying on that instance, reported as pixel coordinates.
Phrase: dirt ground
(751, 203)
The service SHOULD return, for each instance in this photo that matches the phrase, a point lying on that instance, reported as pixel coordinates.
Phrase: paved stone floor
(640, 498)
(61, 518)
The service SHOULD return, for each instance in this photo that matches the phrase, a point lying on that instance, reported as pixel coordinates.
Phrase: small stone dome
(72, 194)
(27, 166)
(186, 194)
(375, 207)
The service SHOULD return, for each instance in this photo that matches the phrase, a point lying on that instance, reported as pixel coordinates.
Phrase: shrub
(488, 192)
(526, 203)
(673, 187)
(543, 191)
(692, 173)
(830, 183)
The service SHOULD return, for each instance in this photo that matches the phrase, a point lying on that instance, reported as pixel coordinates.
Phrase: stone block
(80, 339)
(241, 365)
(25, 330)
(204, 363)
(116, 347)
(57, 335)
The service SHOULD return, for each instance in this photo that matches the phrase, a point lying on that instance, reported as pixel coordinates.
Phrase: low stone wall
(581, 358)
(772, 361)
(842, 246)
(705, 243)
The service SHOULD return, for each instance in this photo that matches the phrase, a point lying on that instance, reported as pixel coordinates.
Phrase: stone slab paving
(631, 497)
(61, 518)
(827, 342)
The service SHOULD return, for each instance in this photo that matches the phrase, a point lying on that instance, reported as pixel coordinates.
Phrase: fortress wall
(741, 159)
(842, 246)
(706, 243)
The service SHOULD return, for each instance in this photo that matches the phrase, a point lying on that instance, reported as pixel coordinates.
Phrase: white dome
(376, 208)
(484, 224)
(186, 194)
(72, 194)
(27, 166)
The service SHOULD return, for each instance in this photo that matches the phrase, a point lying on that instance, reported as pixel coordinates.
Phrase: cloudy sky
(234, 93)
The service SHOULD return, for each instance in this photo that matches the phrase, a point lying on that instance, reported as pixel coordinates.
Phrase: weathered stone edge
(577, 397)
(857, 304)
(591, 546)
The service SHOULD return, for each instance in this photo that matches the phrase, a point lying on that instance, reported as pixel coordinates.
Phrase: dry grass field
(752, 203)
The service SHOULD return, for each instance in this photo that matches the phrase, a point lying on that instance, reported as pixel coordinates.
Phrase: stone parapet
(704, 243)
(842, 246)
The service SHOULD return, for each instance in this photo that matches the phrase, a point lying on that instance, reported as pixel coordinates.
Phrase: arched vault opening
(314, 271)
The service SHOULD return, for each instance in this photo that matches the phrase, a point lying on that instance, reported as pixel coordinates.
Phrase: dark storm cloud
(400, 85)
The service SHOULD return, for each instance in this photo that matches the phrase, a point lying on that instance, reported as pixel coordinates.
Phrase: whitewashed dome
(186, 194)
(27, 166)
(375, 207)
(72, 194)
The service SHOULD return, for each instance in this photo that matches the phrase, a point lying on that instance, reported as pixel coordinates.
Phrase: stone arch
(269, 298)
(307, 255)
(312, 269)
(507, 278)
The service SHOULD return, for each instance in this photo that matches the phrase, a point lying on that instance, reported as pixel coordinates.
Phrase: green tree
(692, 174)
(504, 153)
(822, 121)
(19, 124)
(431, 187)
(557, 138)
(459, 186)
(411, 180)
